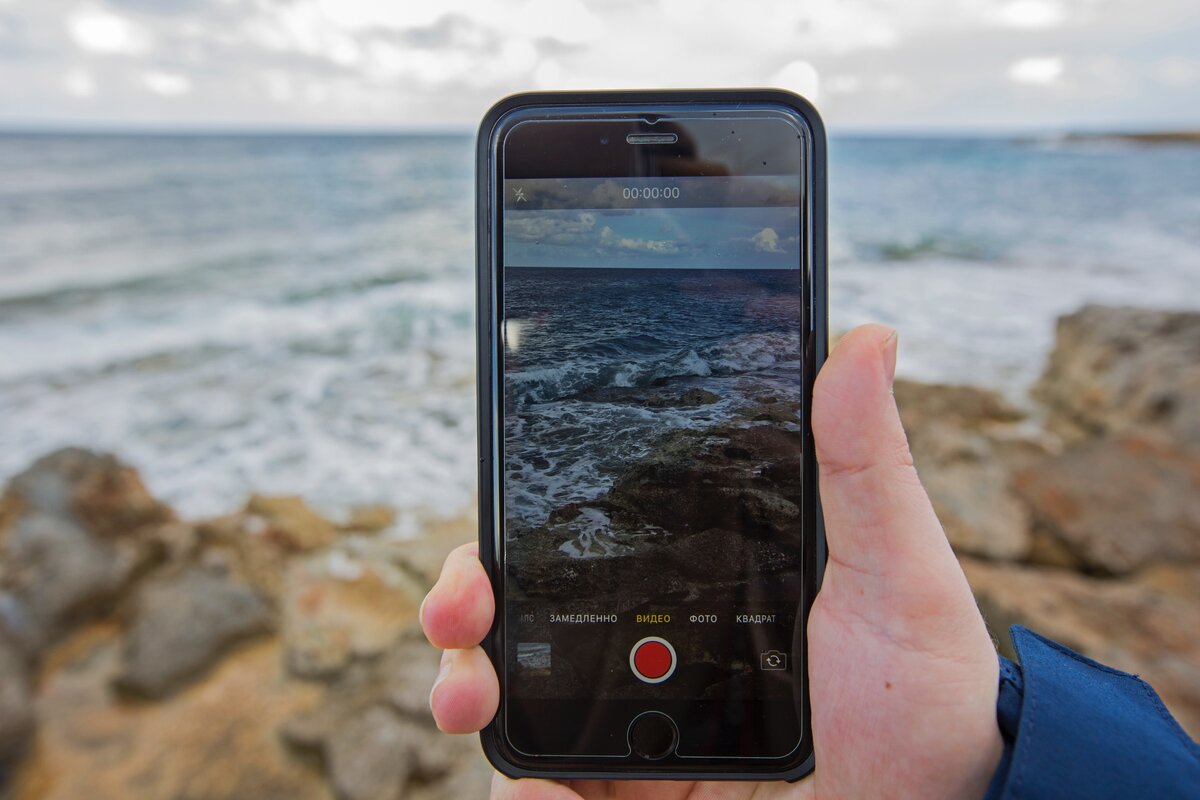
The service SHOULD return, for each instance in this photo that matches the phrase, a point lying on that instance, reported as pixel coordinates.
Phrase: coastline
(1148, 138)
(272, 651)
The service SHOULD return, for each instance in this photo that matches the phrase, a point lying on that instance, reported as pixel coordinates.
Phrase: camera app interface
(652, 437)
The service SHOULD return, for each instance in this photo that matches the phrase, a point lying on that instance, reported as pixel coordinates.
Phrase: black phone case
(815, 348)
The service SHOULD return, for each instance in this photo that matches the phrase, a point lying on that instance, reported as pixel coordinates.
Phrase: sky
(883, 65)
(765, 237)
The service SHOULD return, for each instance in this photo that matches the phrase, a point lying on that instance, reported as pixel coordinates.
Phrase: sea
(597, 362)
(294, 313)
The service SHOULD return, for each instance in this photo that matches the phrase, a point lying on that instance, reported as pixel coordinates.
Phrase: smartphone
(651, 316)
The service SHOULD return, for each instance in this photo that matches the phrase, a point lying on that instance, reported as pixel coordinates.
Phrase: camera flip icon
(773, 660)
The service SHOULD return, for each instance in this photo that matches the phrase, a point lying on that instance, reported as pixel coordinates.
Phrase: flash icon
(519, 193)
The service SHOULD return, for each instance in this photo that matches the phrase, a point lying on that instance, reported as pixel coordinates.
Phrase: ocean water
(295, 313)
(597, 359)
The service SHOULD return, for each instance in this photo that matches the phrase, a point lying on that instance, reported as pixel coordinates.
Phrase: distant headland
(1138, 137)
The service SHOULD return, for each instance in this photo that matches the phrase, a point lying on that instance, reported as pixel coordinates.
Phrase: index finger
(457, 613)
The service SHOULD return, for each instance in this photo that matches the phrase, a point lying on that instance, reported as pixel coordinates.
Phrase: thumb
(878, 519)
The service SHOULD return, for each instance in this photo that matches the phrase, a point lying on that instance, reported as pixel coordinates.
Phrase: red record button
(652, 659)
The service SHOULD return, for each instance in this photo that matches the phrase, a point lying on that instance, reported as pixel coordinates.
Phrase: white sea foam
(296, 316)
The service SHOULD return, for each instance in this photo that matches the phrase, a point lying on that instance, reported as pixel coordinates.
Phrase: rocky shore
(270, 653)
(1081, 518)
(274, 653)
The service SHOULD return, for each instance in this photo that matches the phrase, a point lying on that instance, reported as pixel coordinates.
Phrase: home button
(653, 735)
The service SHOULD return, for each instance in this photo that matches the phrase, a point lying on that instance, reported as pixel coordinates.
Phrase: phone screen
(652, 446)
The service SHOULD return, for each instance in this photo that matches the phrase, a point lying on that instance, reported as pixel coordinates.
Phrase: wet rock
(182, 624)
(726, 489)
(1115, 504)
(78, 529)
(666, 395)
(217, 739)
(642, 569)
(697, 397)
(289, 522)
(965, 445)
(1124, 369)
(716, 557)
(374, 733)
(1126, 624)
(16, 703)
(737, 478)
(345, 604)
(782, 412)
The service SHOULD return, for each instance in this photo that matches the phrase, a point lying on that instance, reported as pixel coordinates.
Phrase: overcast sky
(869, 64)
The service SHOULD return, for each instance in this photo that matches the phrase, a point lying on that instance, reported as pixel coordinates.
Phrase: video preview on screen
(652, 394)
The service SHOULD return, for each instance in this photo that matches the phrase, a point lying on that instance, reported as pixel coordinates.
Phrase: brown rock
(290, 522)
(698, 397)
(1122, 623)
(16, 703)
(111, 499)
(1173, 579)
(79, 528)
(370, 519)
(423, 556)
(342, 605)
(54, 573)
(95, 490)
(965, 445)
(1116, 504)
(183, 623)
(922, 403)
(775, 411)
(215, 740)
(664, 395)
(736, 478)
(726, 497)
(1119, 369)
(370, 756)
(237, 543)
(374, 733)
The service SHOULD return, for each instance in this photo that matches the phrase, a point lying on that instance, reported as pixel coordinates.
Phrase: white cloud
(873, 63)
(566, 20)
(79, 82)
(98, 30)
(279, 86)
(1178, 72)
(1031, 14)
(166, 84)
(610, 239)
(766, 241)
(1037, 70)
(843, 84)
(801, 77)
(551, 228)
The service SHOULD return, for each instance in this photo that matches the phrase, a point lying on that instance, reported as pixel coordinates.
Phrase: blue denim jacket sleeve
(1076, 728)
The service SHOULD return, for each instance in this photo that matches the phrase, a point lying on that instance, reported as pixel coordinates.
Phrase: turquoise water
(294, 314)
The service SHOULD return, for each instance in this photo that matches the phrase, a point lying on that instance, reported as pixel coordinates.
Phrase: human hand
(903, 675)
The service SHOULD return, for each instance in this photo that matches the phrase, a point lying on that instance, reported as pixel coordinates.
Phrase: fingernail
(421, 611)
(444, 670)
(890, 346)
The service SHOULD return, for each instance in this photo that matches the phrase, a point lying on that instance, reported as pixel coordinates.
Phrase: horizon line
(78, 128)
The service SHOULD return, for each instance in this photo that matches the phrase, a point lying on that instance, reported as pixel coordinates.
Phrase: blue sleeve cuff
(1075, 728)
